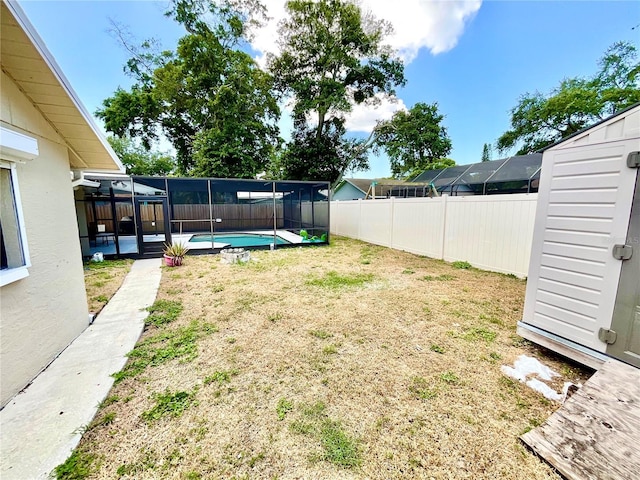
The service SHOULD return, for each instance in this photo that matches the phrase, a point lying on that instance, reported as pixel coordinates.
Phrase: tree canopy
(208, 97)
(307, 157)
(139, 160)
(413, 139)
(332, 57)
(539, 120)
(437, 165)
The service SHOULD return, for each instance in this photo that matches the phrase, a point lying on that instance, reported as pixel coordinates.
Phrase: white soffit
(28, 62)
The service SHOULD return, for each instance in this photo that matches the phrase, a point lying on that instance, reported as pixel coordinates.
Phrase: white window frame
(16, 147)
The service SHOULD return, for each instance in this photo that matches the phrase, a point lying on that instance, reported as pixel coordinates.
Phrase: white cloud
(265, 40)
(433, 24)
(364, 117)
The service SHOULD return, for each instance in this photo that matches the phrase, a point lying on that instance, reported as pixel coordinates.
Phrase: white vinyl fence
(492, 232)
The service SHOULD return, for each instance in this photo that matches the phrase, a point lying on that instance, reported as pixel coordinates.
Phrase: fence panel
(418, 225)
(234, 216)
(345, 218)
(104, 214)
(375, 221)
(492, 232)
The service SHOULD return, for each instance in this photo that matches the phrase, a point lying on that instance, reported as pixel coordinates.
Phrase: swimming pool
(240, 239)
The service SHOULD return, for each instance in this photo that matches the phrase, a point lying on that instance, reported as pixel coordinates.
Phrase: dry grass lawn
(345, 362)
(102, 280)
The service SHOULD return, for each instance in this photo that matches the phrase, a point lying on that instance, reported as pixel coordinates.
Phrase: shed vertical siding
(585, 197)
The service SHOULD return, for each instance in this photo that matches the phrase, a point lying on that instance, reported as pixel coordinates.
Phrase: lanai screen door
(153, 224)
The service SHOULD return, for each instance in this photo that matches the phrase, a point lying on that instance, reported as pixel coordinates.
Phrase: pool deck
(129, 243)
(184, 238)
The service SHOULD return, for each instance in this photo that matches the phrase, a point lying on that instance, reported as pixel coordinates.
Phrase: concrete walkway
(40, 426)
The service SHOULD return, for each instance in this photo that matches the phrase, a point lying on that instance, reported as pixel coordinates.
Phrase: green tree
(209, 98)
(308, 157)
(486, 153)
(539, 120)
(413, 139)
(332, 57)
(437, 165)
(140, 161)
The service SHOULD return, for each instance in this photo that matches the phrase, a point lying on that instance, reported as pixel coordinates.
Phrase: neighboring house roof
(361, 184)
(28, 62)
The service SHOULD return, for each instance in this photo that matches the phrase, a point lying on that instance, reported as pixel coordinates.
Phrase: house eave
(28, 62)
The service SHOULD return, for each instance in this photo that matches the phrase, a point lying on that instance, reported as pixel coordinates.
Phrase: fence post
(444, 225)
(334, 207)
(391, 223)
(359, 218)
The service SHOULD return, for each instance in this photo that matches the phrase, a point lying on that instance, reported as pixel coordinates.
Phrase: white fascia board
(106, 174)
(16, 146)
(102, 172)
(83, 182)
(38, 43)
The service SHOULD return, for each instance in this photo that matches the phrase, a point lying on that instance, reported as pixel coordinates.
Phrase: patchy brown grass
(351, 361)
(102, 280)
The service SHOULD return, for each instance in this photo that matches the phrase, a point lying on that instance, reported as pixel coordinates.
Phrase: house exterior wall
(42, 313)
(347, 192)
(584, 204)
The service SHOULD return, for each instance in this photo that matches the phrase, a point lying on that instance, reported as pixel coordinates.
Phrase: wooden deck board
(596, 433)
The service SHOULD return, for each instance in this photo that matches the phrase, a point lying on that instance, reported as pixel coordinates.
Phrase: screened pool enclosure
(517, 174)
(123, 215)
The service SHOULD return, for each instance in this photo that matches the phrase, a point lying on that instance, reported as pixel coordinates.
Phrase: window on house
(13, 251)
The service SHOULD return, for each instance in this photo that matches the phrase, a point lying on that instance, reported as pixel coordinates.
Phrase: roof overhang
(83, 182)
(28, 62)
(352, 182)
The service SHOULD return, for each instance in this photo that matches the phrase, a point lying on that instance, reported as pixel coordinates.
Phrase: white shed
(583, 289)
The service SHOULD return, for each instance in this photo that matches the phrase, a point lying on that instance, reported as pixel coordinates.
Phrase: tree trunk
(321, 114)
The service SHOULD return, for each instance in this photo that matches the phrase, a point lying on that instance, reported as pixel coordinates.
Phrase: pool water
(240, 239)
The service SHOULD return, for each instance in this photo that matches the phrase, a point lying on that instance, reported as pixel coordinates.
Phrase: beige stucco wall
(42, 313)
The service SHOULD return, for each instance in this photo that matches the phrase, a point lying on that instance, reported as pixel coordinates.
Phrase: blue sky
(474, 58)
